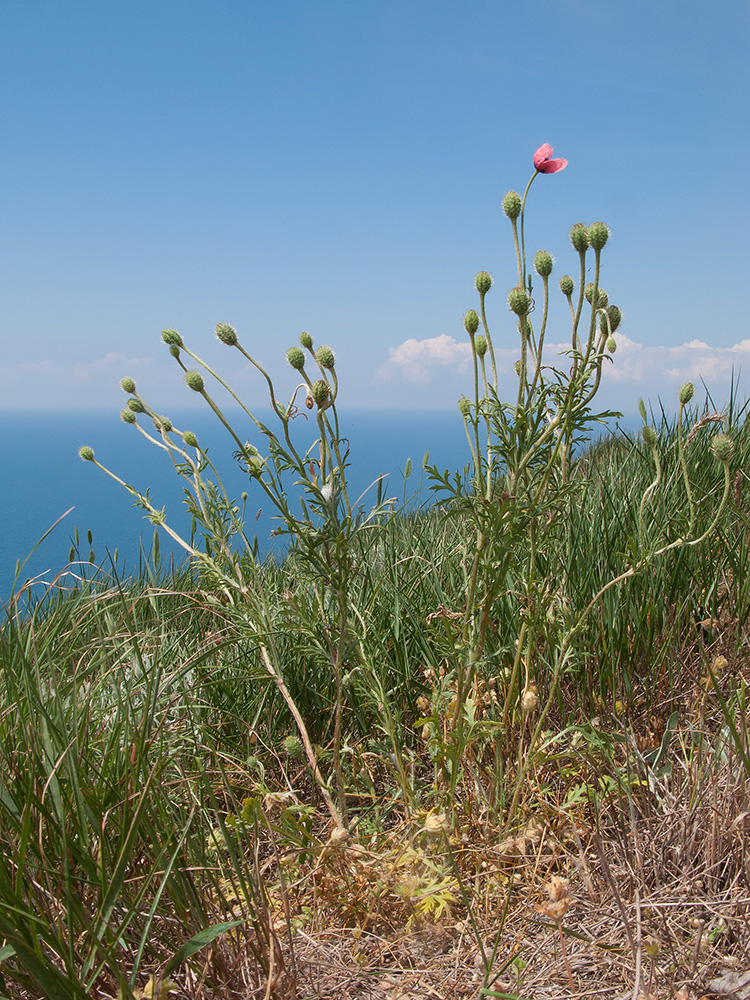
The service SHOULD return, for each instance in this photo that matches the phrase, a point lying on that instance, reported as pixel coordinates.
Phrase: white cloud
(642, 369)
(414, 360)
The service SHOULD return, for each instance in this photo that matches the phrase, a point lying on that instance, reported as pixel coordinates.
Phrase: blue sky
(337, 166)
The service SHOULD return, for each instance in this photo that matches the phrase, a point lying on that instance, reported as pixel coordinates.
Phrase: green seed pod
(127, 384)
(649, 436)
(480, 345)
(512, 204)
(518, 300)
(464, 406)
(579, 237)
(325, 357)
(194, 381)
(543, 263)
(190, 439)
(306, 340)
(686, 393)
(296, 358)
(483, 282)
(171, 337)
(598, 235)
(226, 334)
(320, 392)
(163, 424)
(471, 322)
(127, 416)
(136, 406)
(611, 345)
(86, 453)
(567, 285)
(722, 447)
(174, 350)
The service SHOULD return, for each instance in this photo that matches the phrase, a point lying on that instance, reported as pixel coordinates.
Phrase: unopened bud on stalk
(163, 424)
(320, 392)
(194, 381)
(530, 699)
(127, 416)
(615, 317)
(480, 345)
(579, 237)
(190, 439)
(174, 350)
(296, 358)
(686, 393)
(512, 204)
(471, 322)
(611, 345)
(86, 453)
(543, 263)
(567, 285)
(518, 300)
(306, 340)
(464, 406)
(598, 235)
(226, 334)
(601, 296)
(483, 282)
(649, 436)
(171, 337)
(136, 406)
(722, 447)
(325, 357)
(127, 384)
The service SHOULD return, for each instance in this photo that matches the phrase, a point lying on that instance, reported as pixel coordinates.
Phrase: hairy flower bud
(306, 340)
(194, 381)
(598, 235)
(722, 447)
(483, 282)
(686, 393)
(512, 204)
(615, 317)
(127, 416)
(567, 285)
(471, 322)
(464, 406)
(649, 436)
(190, 439)
(480, 345)
(171, 337)
(601, 296)
(543, 263)
(86, 453)
(127, 384)
(293, 746)
(226, 334)
(325, 357)
(611, 345)
(136, 406)
(163, 424)
(296, 358)
(174, 350)
(579, 237)
(320, 392)
(518, 300)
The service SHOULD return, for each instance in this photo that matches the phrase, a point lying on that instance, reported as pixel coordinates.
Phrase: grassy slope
(135, 721)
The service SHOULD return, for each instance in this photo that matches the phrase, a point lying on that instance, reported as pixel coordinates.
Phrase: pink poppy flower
(543, 162)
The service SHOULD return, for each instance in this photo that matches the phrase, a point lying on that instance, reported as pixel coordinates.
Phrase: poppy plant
(544, 163)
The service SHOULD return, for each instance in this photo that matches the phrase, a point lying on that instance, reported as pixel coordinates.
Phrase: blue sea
(44, 481)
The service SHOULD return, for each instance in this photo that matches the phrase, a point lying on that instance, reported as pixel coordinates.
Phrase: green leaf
(198, 941)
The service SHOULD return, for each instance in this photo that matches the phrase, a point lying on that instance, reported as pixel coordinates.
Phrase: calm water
(43, 478)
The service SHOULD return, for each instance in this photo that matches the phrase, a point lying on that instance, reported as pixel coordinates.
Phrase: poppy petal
(551, 166)
(543, 153)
